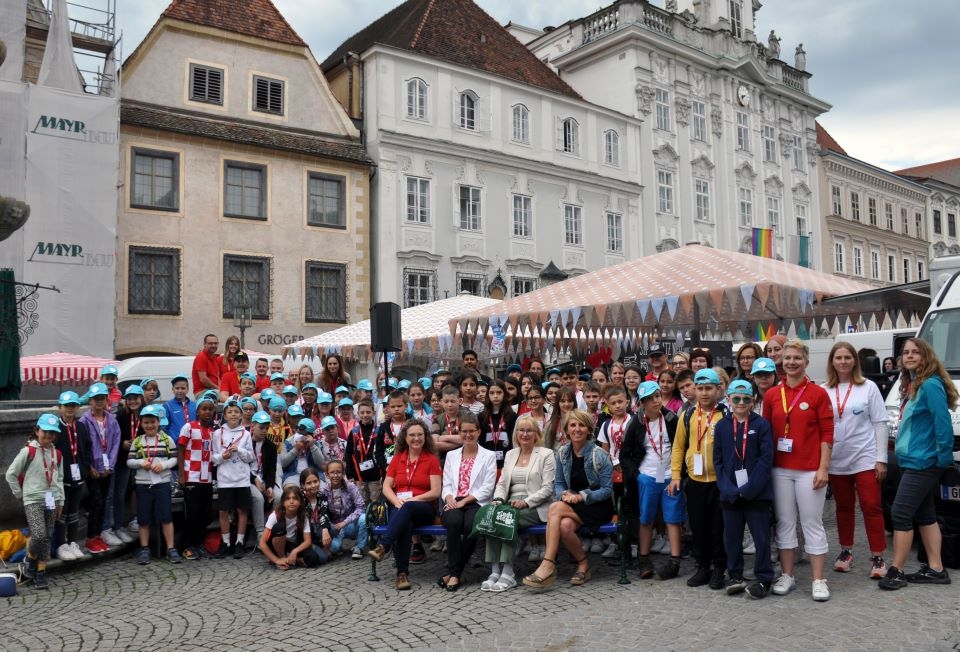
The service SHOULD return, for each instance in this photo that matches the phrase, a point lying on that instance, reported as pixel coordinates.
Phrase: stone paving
(241, 605)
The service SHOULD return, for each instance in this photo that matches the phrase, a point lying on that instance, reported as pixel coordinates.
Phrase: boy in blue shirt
(180, 409)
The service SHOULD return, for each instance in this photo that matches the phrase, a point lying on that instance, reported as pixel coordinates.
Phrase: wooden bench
(613, 528)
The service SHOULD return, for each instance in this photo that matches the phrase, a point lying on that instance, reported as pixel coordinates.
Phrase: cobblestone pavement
(241, 605)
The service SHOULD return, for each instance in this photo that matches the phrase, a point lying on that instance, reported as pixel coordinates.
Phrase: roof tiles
(258, 18)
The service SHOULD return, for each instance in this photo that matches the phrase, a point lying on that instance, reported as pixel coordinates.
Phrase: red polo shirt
(230, 383)
(413, 477)
(263, 382)
(811, 423)
(209, 364)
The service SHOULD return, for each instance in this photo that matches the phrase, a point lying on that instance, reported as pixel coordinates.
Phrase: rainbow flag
(763, 242)
(764, 333)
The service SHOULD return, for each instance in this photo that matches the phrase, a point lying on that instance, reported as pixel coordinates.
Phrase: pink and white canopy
(424, 332)
(61, 369)
(691, 287)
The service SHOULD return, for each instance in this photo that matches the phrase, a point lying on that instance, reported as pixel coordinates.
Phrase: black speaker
(385, 327)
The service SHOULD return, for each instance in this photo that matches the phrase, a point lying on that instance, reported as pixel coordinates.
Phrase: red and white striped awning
(61, 369)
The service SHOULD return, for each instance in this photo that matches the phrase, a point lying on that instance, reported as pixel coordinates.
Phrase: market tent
(722, 293)
(61, 369)
(424, 331)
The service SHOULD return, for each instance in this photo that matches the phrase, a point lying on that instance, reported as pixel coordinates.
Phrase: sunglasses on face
(740, 400)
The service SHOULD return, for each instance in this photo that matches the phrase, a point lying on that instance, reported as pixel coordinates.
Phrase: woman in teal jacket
(925, 450)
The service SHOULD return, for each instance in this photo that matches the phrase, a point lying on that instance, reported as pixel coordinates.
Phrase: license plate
(950, 493)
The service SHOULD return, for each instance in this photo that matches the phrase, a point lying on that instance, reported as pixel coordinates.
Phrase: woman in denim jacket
(583, 488)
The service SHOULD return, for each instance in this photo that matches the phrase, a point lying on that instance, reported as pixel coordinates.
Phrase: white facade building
(728, 139)
(489, 166)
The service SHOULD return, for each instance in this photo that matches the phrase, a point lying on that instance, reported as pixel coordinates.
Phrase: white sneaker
(110, 538)
(611, 551)
(749, 548)
(598, 546)
(65, 552)
(134, 526)
(784, 584)
(123, 535)
(658, 543)
(77, 551)
(820, 591)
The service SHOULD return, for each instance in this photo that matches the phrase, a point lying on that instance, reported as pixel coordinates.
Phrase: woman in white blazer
(469, 474)
(526, 482)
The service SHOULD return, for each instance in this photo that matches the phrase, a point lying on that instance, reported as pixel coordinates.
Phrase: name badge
(48, 500)
(366, 465)
(499, 456)
(388, 458)
(404, 495)
(785, 445)
(106, 461)
(697, 464)
(741, 475)
(75, 472)
(661, 472)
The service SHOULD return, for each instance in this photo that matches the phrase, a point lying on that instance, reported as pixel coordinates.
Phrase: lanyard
(134, 425)
(315, 510)
(48, 471)
(410, 474)
(653, 445)
(793, 404)
(616, 434)
(186, 411)
(454, 429)
(741, 454)
(72, 438)
(206, 433)
(840, 406)
(700, 431)
(496, 430)
(395, 433)
(146, 449)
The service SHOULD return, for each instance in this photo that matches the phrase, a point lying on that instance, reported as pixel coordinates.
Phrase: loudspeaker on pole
(385, 327)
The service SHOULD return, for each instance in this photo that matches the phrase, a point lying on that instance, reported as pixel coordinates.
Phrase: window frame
(176, 299)
(341, 182)
(611, 147)
(872, 210)
(614, 232)
(525, 215)
(257, 311)
(937, 222)
(261, 168)
(838, 258)
(270, 82)
(769, 144)
(468, 116)
(515, 280)
(800, 219)
(855, 205)
(875, 265)
(743, 131)
(773, 213)
(891, 268)
(857, 261)
(205, 99)
(907, 266)
(473, 277)
(798, 161)
(430, 289)
(470, 220)
(661, 101)
(572, 225)
(421, 199)
(340, 292)
(699, 123)
(520, 117)
(952, 225)
(836, 200)
(568, 138)
(888, 215)
(665, 191)
(418, 98)
(745, 203)
(174, 157)
(736, 18)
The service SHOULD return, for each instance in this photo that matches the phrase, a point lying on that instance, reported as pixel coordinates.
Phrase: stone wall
(17, 421)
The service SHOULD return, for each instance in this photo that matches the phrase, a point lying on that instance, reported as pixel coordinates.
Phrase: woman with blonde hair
(924, 449)
(858, 463)
(526, 484)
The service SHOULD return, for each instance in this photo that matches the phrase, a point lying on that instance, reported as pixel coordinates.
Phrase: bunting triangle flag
(746, 292)
(672, 302)
(643, 306)
(657, 305)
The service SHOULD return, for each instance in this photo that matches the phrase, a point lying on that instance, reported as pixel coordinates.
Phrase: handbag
(377, 513)
(497, 521)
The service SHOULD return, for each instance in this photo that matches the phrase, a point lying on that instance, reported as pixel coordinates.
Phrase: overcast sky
(889, 67)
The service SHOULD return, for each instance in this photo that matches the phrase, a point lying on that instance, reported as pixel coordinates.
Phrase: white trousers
(793, 492)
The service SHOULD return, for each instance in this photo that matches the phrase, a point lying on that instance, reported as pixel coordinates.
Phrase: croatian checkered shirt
(197, 443)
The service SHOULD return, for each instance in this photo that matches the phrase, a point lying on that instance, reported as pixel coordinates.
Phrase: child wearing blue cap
(128, 416)
(180, 409)
(300, 452)
(264, 491)
(36, 479)
(108, 376)
(232, 454)
(194, 450)
(104, 434)
(279, 430)
(743, 459)
(74, 446)
(152, 455)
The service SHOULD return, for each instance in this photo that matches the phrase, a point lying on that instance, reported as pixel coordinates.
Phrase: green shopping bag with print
(497, 521)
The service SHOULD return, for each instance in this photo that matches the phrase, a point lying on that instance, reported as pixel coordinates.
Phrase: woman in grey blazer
(526, 483)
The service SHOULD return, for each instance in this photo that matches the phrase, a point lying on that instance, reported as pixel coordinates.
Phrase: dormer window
(267, 95)
(206, 84)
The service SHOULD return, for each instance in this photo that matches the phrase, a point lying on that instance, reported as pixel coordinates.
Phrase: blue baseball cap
(392, 382)
(179, 377)
(98, 389)
(763, 366)
(262, 418)
(326, 422)
(290, 389)
(49, 422)
(295, 411)
(248, 376)
(740, 387)
(133, 390)
(164, 421)
(246, 400)
(323, 397)
(365, 385)
(706, 377)
(277, 403)
(307, 424)
(342, 389)
(266, 394)
(154, 411)
(278, 376)
(143, 383)
(109, 370)
(426, 382)
(345, 402)
(208, 397)
(310, 386)
(404, 384)
(647, 389)
(69, 398)
(549, 383)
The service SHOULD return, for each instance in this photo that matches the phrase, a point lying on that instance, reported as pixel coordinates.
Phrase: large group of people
(728, 455)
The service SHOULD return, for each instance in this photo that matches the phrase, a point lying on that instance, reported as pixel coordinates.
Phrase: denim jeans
(356, 530)
(914, 500)
(413, 513)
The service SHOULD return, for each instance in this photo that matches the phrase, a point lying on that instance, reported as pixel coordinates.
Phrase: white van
(162, 368)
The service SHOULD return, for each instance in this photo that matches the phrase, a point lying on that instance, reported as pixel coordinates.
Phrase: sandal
(534, 581)
(453, 587)
(580, 577)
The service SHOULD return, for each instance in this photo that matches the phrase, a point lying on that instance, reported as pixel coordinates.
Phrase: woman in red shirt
(411, 489)
(801, 416)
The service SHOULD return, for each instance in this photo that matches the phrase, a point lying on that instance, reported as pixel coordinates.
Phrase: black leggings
(98, 488)
(69, 523)
(197, 506)
(460, 545)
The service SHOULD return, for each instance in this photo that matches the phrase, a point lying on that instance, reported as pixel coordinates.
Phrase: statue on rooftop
(800, 58)
(773, 45)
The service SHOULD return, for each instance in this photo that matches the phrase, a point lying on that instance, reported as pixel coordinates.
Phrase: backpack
(377, 513)
(32, 453)
(11, 541)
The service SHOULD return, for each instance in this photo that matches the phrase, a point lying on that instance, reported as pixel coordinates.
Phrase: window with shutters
(267, 95)
(325, 201)
(156, 179)
(206, 84)
(153, 281)
(326, 292)
(245, 190)
(246, 283)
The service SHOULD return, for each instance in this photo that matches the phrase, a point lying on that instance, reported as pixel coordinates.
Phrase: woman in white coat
(469, 474)
(526, 483)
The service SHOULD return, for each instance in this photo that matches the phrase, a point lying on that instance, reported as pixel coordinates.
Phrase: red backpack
(32, 453)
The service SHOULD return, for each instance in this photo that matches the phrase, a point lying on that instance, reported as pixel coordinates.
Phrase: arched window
(611, 147)
(468, 110)
(568, 136)
(417, 99)
(521, 123)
